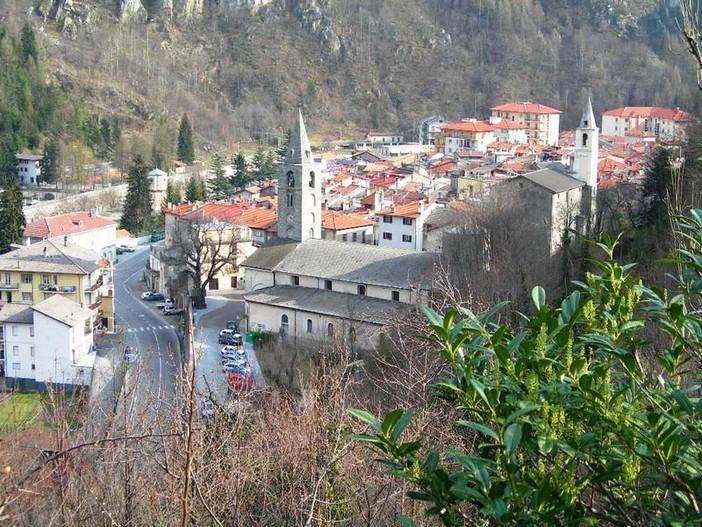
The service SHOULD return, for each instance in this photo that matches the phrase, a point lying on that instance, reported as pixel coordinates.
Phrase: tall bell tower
(587, 146)
(299, 189)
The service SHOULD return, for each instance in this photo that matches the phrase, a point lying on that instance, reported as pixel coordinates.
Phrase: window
(16, 366)
(311, 179)
(396, 296)
(45, 280)
(407, 221)
(328, 284)
(290, 200)
(295, 280)
(309, 325)
(15, 350)
(362, 290)
(284, 320)
(330, 330)
(8, 279)
(291, 179)
(387, 236)
(27, 297)
(34, 367)
(15, 331)
(31, 351)
(584, 139)
(26, 278)
(407, 238)
(344, 237)
(31, 331)
(354, 237)
(387, 219)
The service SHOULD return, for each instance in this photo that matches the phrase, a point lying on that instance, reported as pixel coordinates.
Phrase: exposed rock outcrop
(70, 17)
(131, 10)
(313, 18)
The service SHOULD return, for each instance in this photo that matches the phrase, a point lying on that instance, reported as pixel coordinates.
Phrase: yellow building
(32, 274)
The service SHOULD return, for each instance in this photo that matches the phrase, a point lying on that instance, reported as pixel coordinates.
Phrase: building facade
(402, 226)
(29, 168)
(542, 122)
(663, 123)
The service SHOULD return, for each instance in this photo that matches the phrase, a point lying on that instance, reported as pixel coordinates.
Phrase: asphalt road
(144, 327)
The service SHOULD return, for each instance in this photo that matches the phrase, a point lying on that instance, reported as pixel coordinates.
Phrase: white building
(83, 229)
(323, 290)
(542, 122)
(402, 226)
(50, 343)
(510, 131)
(28, 168)
(429, 128)
(664, 123)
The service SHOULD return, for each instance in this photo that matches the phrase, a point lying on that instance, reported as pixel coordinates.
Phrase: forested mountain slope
(238, 70)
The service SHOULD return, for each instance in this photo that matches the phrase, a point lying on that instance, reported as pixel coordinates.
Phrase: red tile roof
(504, 124)
(468, 126)
(337, 221)
(409, 210)
(525, 107)
(670, 114)
(258, 218)
(66, 224)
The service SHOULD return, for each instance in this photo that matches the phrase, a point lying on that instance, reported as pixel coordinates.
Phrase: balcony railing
(95, 286)
(57, 288)
(9, 285)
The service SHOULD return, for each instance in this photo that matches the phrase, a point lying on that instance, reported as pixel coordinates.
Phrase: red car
(239, 381)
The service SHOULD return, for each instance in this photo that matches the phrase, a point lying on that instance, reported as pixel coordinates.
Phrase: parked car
(173, 311)
(154, 296)
(233, 326)
(233, 349)
(227, 336)
(207, 408)
(164, 305)
(146, 293)
(234, 361)
(126, 248)
(236, 367)
(238, 381)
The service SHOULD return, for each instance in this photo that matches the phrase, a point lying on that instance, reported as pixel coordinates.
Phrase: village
(334, 248)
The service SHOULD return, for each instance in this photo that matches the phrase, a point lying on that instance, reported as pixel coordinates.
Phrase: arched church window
(330, 329)
(584, 139)
(312, 217)
(307, 154)
(313, 200)
(311, 232)
(291, 179)
(290, 200)
(292, 153)
(309, 325)
(311, 179)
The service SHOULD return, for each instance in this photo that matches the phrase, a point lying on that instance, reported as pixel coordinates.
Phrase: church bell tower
(299, 189)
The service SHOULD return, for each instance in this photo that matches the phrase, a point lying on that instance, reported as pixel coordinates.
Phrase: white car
(233, 349)
(145, 294)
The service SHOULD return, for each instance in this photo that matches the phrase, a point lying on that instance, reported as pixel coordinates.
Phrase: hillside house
(401, 226)
(28, 169)
(542, 122)
(661, 123)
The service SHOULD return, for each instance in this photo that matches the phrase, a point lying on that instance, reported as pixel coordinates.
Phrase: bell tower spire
(299, 188)
(587, 148)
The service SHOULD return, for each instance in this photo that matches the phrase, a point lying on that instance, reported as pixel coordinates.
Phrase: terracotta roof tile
(525, 107)
(66, 224)
(337, 221)
(468, 126)
(670, 114)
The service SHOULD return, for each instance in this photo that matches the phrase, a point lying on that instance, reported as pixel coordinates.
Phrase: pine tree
(284, 144)
(28, 43)
(106, 134)
(12, 219)
(220, 187)
(241, 171)
(172, 196)
(116, 131)
(263, 164)
(186, 149)
(50, 165)
(193, 192)
(137, 214)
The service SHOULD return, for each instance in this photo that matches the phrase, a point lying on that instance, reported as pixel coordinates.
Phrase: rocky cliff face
(70, 16)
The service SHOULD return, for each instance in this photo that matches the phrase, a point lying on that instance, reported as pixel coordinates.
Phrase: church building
(307, 288)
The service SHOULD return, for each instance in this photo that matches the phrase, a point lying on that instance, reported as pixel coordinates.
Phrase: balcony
(96, 304)
(95, 286)
(9, 286)
(57, 288)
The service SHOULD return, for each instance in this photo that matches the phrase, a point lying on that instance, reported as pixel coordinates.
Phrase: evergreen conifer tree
(193, 192)
(50, 163)
(241, 171)
(172, 196)
(137, 214)
(12, 219)
(263, 164)
(28, 43)
(186, 149)
(220, 187)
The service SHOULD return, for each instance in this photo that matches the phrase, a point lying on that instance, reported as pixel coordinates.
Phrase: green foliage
(263, 164)
(12, 219)
(570, 423)
(29, 44)
(50, 165)
(284, 146)
(241, 174)
(137, 215)
(194, 190)
(172, 194)
(219, 186)
(186, 149)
